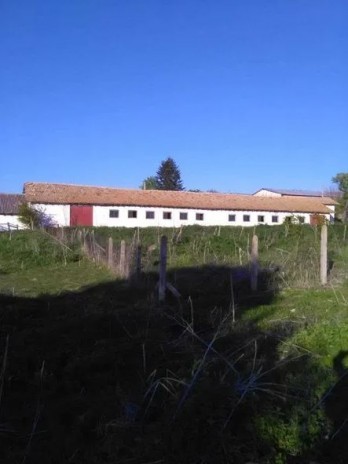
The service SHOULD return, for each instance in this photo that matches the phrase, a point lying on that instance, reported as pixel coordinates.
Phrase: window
(150, 215)
(199, 216)
(246, 217)
(260, 218)
(231, 217)
(113, 213)
(183, 216)
(132, 214)
(301, 219)
(274, 218)
(167, 215)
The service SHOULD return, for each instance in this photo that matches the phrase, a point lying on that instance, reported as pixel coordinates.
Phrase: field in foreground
(95, 371)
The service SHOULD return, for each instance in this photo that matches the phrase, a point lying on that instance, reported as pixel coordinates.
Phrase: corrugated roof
(9, 203)
(79, 194)
(302, 193)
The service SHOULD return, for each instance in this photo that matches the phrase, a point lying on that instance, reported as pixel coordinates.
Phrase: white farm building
(9, 209)
(75, 205)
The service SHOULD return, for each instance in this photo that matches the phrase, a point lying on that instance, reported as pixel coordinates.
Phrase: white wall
(332, 215)
(211, 218)
(11, 219)
(266, 193)
(60, 214)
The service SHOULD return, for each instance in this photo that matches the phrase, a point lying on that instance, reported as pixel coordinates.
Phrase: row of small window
(261, 218)
(246, 218)
(133, 214)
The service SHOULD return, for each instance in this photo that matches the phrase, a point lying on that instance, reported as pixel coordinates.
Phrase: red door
(81, 215)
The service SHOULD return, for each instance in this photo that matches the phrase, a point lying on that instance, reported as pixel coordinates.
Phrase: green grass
(34, 263)
(219, 376)
(318, 319)
(294, 248)
(33, 249)
(53, 279)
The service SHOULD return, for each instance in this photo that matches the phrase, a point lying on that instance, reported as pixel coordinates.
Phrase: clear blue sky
(241, 93)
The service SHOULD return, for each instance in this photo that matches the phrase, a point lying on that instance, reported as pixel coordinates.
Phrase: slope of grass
(53, 279)
(29, 249)
(34, 263)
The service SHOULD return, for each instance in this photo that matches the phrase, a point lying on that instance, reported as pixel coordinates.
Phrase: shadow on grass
(106, 375)
(334, 449)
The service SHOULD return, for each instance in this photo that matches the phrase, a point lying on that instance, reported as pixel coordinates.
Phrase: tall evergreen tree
(168, 176)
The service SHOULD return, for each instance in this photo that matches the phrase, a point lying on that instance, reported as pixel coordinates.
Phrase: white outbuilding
(9, 210)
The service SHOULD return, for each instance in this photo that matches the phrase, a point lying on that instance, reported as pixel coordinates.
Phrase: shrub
(34, 218)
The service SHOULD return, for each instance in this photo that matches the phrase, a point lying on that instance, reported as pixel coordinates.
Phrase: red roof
(46, 193)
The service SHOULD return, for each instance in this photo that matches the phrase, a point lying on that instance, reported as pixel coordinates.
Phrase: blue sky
(241, 93)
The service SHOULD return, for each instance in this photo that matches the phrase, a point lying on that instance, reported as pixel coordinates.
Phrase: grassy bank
(34, 263)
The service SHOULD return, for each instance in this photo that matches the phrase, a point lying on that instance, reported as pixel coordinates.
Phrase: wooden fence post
(254, 263)
(323, 255)
(110, 253)
(123, 258)
(138, 263)
(162, 284)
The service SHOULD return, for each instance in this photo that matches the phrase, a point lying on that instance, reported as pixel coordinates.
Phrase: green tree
(168, 176)
(150, 183)
(341, 179)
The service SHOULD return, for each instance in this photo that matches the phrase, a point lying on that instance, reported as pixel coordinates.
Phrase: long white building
(77, 205)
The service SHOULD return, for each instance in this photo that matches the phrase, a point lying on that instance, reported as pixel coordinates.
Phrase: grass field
(95, 371)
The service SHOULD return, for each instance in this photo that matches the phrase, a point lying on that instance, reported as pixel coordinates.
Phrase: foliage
(290, 434)
(150, 183)
(168, 176)
(341, 179)
(34, 218)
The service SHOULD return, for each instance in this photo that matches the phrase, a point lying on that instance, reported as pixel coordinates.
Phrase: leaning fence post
(162, 270)
(323, 255)
(110, 253)
(254, 263)
(123, 258)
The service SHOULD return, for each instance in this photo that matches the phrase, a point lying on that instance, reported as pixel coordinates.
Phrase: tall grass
(293, 249)
(29, 249)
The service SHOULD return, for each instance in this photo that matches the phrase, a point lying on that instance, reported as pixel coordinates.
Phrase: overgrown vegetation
(35, 262)
(291, 248)
(221, 375)
(34, 217)
(31, 249)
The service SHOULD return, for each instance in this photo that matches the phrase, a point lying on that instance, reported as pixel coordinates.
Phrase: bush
(34, 218)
